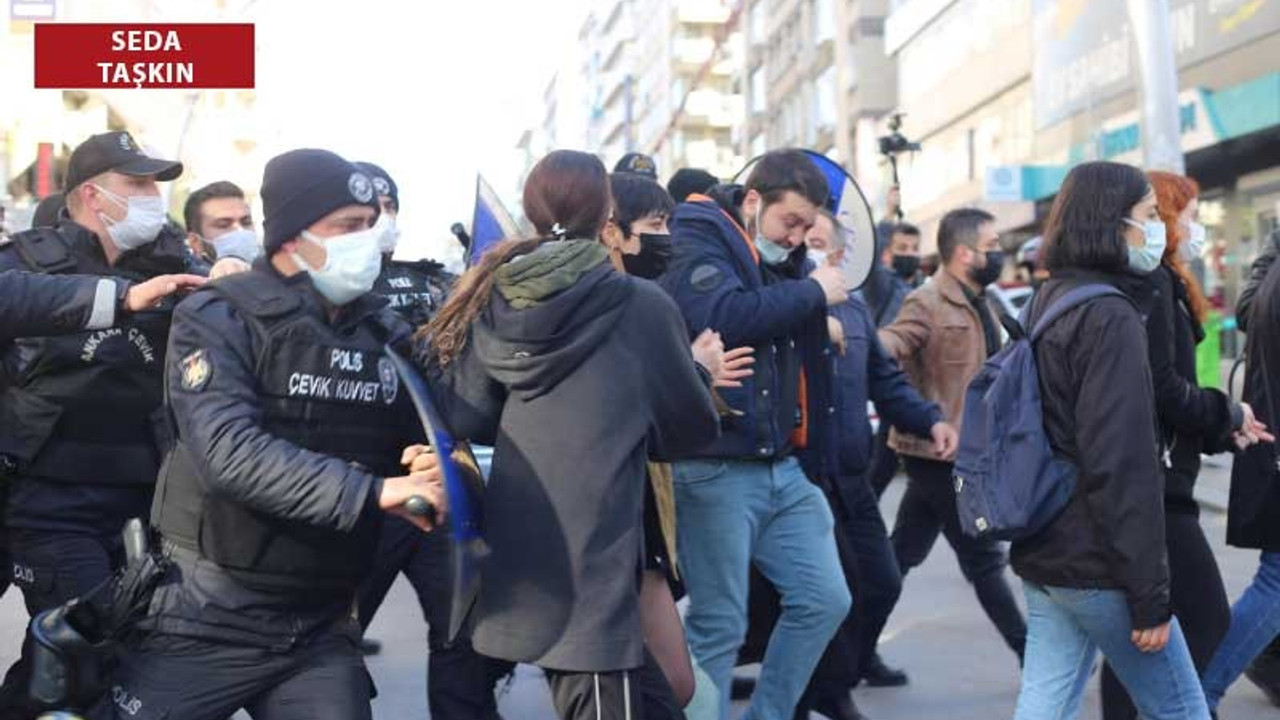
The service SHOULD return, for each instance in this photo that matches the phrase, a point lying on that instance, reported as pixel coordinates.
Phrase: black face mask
(906, 266)
(991, 273)
(653, 258)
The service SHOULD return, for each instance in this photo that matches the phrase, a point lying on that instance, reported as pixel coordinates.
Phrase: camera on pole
(893, 145)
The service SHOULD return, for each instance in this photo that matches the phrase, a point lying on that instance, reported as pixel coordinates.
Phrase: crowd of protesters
(675, 385)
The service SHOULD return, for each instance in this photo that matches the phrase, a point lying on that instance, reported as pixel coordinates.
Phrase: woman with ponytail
(577, 374)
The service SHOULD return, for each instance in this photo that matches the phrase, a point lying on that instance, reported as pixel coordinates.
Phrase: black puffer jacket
(1193, 420)
(1099, 412)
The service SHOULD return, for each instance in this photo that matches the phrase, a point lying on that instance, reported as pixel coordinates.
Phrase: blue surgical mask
(770, 252)
(351, 267)
(1193, 247)
(1147, 258)
(241, 243)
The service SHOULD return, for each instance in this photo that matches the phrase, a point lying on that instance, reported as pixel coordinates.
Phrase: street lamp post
(1157, 85)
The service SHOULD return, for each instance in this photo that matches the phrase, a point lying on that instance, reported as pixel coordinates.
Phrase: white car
(1013, 298)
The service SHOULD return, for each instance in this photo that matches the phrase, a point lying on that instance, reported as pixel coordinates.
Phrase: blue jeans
(733, 514)
(1255, 622)
(1065, 630)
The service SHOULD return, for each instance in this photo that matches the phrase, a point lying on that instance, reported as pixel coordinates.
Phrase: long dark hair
(1086, 225)
(566, 196)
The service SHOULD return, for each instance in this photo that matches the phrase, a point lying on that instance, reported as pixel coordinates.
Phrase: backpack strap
(1072, 298)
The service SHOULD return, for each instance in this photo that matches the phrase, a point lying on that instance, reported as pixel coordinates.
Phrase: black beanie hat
(302, 186)
(383, 184)
(689, 181)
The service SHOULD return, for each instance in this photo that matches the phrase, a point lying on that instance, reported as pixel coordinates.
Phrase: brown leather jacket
(938, 340)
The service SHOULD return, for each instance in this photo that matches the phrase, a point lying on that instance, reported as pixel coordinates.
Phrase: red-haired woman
(1193, 420)
(576, 374)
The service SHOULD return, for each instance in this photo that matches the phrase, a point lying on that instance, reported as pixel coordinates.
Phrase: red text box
(189, 55)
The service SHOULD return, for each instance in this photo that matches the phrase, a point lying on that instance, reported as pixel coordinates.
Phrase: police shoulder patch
(705, 278)
(196, 370)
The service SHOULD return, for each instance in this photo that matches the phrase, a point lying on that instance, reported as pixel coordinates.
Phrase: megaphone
(846, 202)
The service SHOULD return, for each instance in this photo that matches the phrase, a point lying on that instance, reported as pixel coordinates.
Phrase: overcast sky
(432, 91)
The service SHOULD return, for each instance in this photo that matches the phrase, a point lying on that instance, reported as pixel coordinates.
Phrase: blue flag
(491, 222)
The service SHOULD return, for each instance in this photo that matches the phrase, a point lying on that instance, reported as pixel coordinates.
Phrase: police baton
(419, 506)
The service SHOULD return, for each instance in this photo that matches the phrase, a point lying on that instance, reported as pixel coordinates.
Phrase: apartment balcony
(690, 54)
(703, 12)
(712, 109)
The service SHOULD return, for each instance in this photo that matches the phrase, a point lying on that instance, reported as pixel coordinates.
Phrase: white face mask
(144, 217)
(1147, 258)
(390, 236)
(240, 243)
(351, 265)
(1193, 247)
(819, 257)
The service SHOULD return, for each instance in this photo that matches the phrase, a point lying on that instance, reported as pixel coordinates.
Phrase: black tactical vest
(86, 408)
(415, 290)
(327, 392)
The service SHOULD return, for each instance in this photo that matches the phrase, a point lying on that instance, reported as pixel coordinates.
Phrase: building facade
(654, 76)
(1007, 95)
(816, 76)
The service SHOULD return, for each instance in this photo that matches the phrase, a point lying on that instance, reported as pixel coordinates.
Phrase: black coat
(1099, 412)
(1253, 518)
(56, 404)
(35, 304)
(575, 394)
(222, 421)
(1193, 420)
(1257, 273)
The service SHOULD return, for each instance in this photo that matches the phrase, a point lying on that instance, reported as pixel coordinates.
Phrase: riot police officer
(78, 411)
(33, 304)
(290, 424)
(415, 289)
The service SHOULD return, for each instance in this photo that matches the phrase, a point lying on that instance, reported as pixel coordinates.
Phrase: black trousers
(169, 677)
(929, 508)
(884, 461)
(51, 568)
(460, 682)
(875, 581)
(1199, 602)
